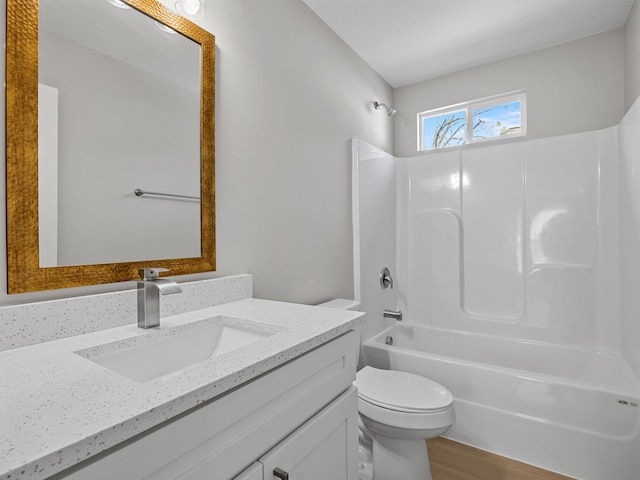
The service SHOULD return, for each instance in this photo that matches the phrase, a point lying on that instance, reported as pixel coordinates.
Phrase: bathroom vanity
(280, 404)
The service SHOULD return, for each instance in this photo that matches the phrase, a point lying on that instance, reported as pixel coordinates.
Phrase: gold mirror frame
(23, 263)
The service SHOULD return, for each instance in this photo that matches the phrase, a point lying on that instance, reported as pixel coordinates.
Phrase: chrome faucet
(149, 289)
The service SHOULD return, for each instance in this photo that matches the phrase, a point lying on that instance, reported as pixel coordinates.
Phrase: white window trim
(468, 107)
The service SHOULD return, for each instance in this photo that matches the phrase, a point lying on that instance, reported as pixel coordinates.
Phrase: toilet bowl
(398, 411)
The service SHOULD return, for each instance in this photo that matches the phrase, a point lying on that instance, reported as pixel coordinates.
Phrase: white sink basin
(162, 352)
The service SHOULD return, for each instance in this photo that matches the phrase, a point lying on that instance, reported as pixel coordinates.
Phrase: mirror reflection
(118, 110)
(129, 118)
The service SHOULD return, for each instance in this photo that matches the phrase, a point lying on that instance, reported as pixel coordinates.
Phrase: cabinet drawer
(254, 416)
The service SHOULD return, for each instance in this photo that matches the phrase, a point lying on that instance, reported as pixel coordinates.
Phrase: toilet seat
(401, 391)
(443, 418)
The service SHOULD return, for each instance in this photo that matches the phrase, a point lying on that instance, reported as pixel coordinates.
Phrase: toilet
(397, 412)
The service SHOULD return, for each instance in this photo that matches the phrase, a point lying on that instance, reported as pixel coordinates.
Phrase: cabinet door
(254, 472)
(324, 447)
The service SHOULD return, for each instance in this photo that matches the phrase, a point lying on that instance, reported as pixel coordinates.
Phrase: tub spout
(392, 314)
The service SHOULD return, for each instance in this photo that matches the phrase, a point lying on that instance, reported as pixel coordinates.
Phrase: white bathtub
(571, 410)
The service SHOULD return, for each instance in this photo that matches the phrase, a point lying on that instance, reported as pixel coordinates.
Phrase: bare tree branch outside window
(469, 124)
(449, 131)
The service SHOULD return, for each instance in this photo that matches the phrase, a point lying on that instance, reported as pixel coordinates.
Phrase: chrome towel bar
(139, 192)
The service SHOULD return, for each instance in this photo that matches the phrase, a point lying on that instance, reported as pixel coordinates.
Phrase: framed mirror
(109, 142)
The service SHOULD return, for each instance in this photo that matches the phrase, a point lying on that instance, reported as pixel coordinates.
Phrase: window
(471, 122)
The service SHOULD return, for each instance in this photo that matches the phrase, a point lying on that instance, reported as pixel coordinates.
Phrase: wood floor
(455, 461)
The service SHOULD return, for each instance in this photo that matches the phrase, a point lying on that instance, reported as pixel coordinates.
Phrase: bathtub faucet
(385, 279)
(392, 314)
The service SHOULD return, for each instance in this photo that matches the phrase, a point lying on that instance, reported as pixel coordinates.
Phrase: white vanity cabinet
(321, 448)
(300, 417)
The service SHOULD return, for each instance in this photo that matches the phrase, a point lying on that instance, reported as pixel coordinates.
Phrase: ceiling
(407, 41)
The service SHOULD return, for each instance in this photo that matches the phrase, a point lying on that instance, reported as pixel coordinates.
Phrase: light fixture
(190, 8)
(390, 111)
(164, 28)
(119, 4)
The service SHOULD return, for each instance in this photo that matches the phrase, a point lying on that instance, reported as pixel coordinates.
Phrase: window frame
(468, 107)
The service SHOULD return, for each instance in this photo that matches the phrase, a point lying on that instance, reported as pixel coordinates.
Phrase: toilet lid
(401, 391)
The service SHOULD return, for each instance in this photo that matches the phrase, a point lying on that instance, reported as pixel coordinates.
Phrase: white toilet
(398, 411)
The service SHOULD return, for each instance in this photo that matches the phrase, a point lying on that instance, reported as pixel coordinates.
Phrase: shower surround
(515, 240)
(517, 254)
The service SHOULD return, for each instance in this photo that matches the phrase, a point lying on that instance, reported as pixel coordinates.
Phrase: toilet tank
(345, 304)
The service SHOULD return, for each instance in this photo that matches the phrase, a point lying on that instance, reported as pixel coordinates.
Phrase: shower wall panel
(505, 240)
(609, 321)
(432, 193)
(561, 204)
(374, 217)
(629, 132)
(492, 220)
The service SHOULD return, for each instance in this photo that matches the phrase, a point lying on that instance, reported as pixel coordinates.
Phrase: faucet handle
(151, 273)
(385, 278)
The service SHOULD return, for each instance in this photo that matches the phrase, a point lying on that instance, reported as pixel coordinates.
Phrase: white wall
(573, 87)
(632, 56)
(289, 97)
(48, 170)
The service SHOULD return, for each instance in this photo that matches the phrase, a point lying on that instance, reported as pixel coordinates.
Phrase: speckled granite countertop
(58, 408)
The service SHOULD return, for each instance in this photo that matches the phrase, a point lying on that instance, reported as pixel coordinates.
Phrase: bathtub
(571, 410)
